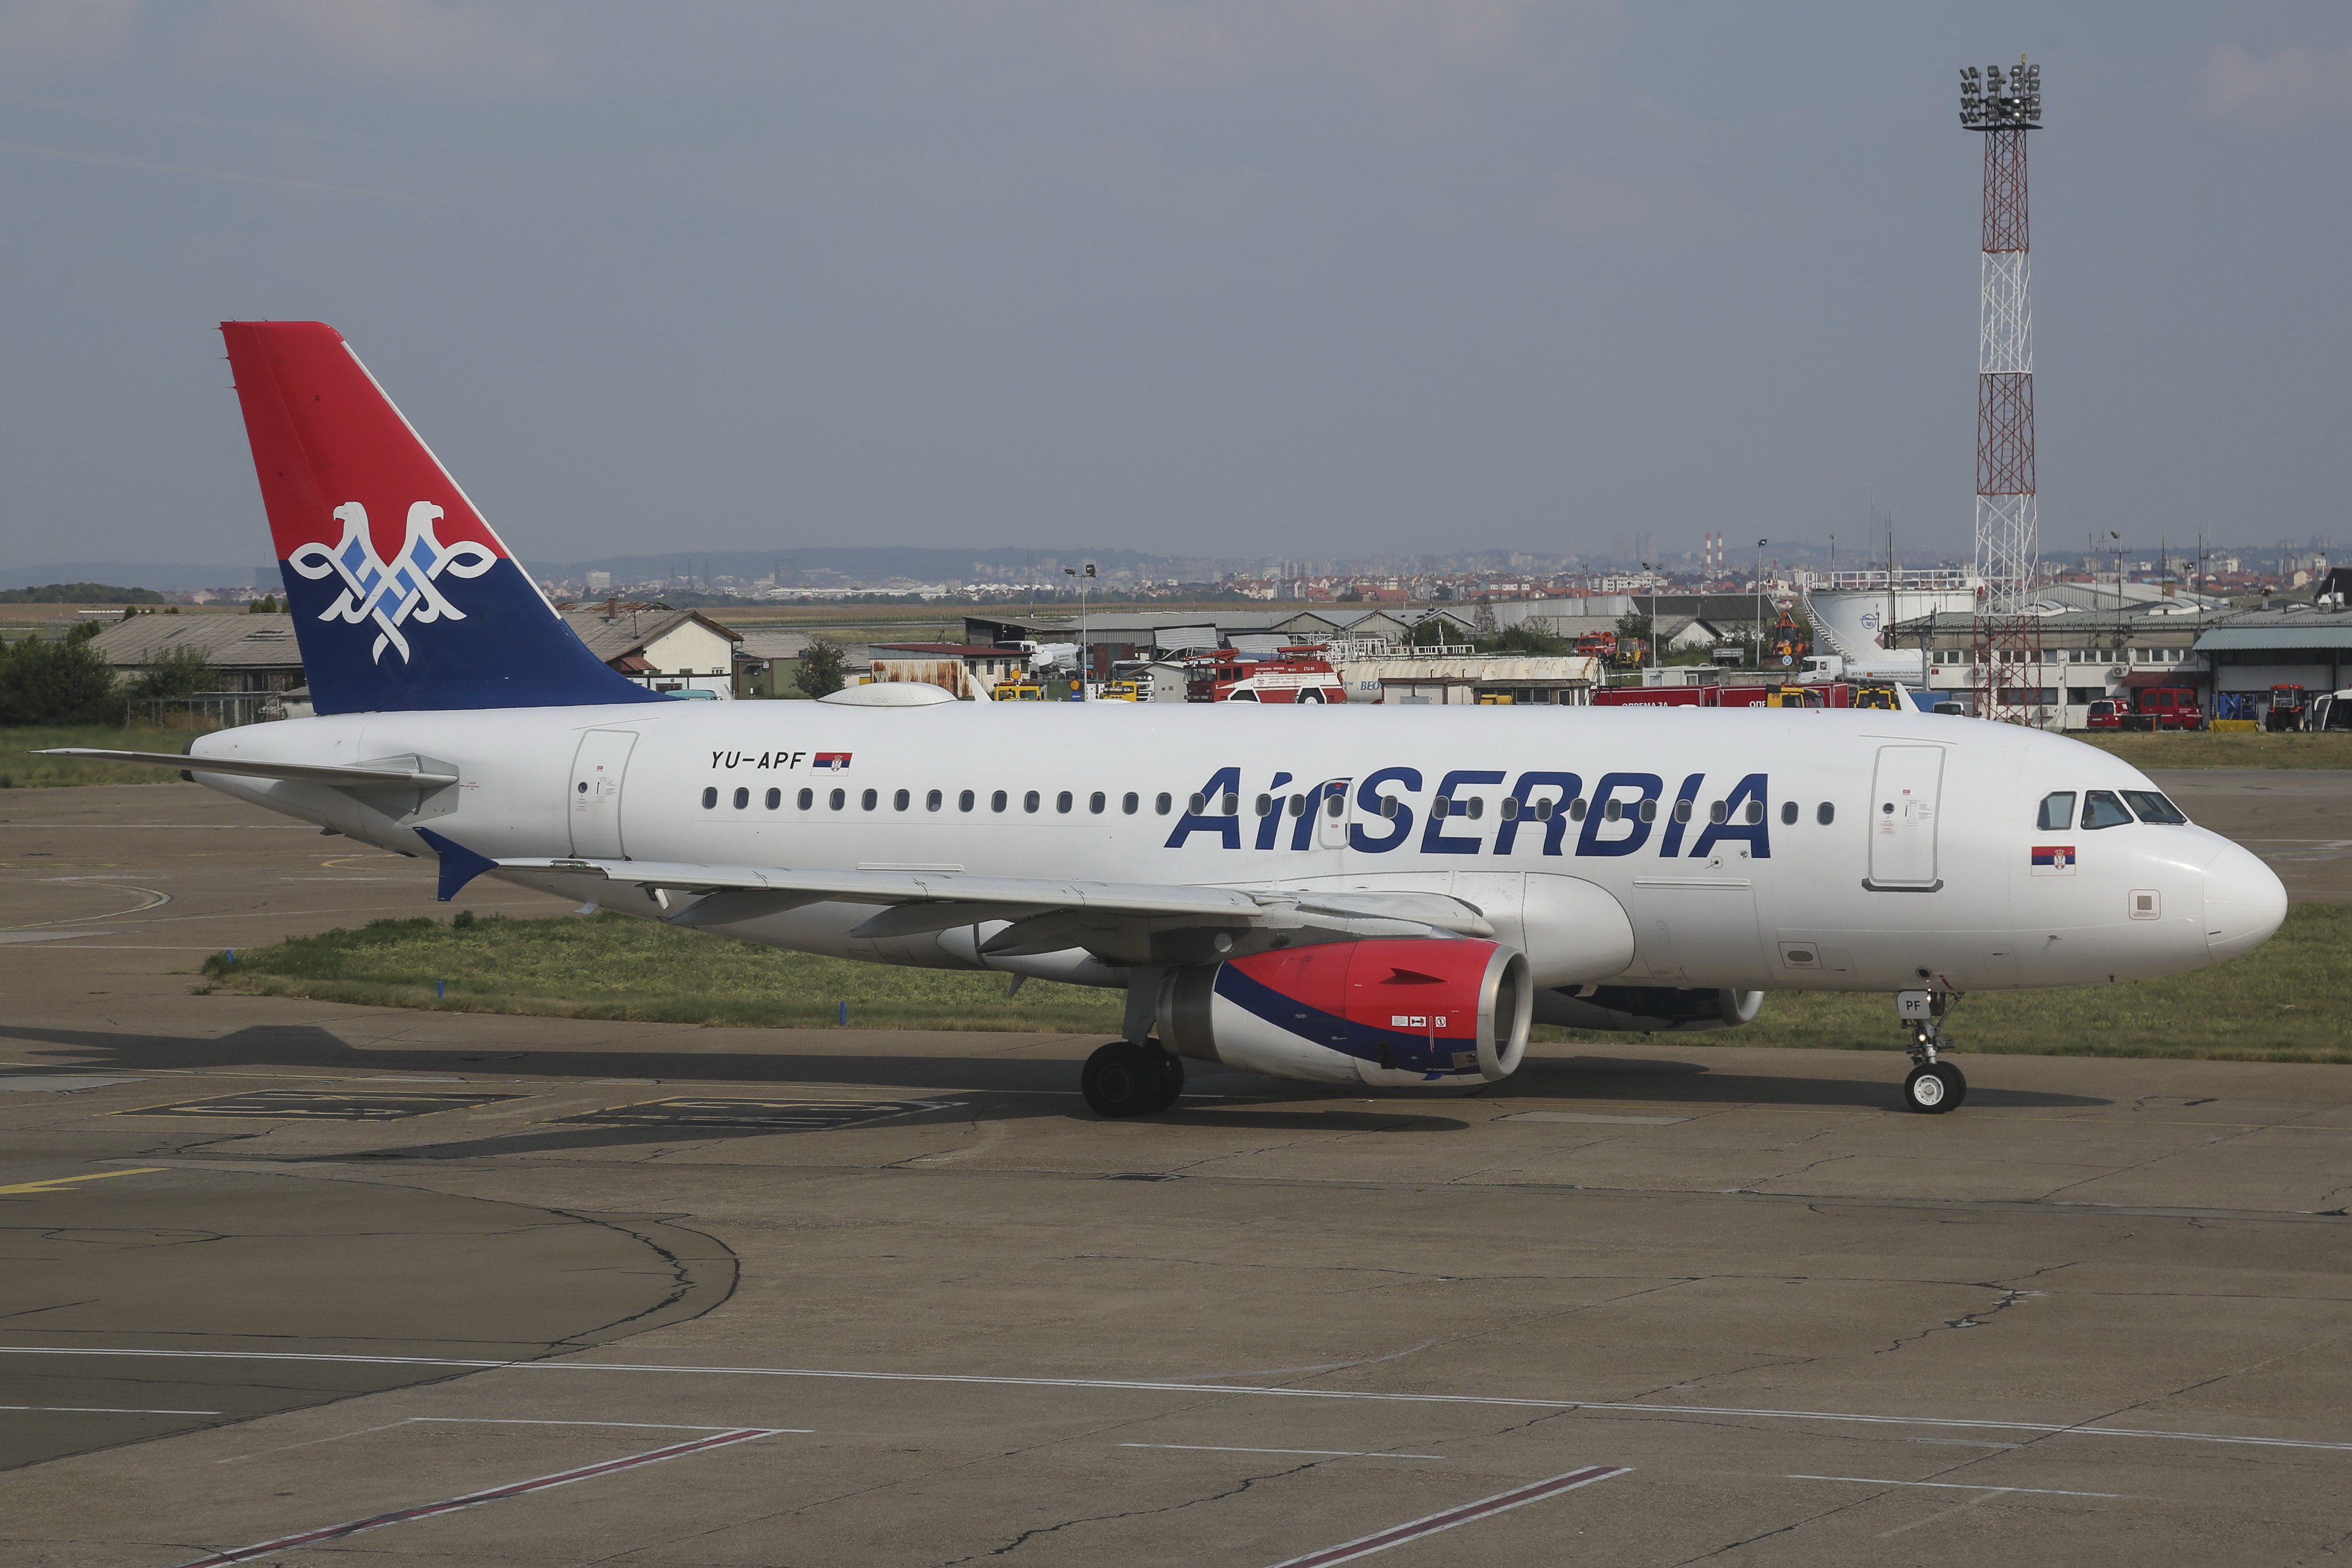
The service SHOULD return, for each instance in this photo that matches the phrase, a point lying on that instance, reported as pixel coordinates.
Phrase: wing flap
(1046, 915)
(1026, 894)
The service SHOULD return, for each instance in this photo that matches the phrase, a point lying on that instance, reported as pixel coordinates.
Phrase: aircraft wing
(308, 772)
(1046, 914)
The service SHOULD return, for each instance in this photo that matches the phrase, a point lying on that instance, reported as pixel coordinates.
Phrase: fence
(226, 709)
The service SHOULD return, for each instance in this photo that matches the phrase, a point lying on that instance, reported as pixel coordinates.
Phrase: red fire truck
(1295, 674)
(2150, 708)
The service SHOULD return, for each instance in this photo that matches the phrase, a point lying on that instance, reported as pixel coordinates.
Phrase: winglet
(460, 865)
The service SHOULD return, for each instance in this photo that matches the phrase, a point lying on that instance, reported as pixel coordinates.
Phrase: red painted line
(473, 1500)
(1397, 1535)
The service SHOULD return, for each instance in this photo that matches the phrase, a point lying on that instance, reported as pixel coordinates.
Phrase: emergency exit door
(1330, 807)
(595, 793)
(1903, 802)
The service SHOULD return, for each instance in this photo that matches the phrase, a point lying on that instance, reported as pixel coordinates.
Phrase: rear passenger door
(595, 793)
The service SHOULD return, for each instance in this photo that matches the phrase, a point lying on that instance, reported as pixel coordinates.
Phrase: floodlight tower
(2002, 106)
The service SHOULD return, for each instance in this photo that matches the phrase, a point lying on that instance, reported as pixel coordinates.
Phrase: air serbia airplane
(1343, 895)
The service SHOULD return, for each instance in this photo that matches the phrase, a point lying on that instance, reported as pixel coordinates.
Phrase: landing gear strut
(1934, 1086)
(1126, 1078)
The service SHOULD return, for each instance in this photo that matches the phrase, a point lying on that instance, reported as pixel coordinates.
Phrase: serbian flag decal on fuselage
(2053, 860)
(836, 761)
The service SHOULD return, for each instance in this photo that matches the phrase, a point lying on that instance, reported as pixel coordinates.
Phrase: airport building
(665, 650)
(257, 663)
(2306, 645)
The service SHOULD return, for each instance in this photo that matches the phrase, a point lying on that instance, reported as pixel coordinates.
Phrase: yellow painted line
(56, 1182)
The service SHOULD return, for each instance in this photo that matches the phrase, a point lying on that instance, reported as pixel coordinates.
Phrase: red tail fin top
(325, 438)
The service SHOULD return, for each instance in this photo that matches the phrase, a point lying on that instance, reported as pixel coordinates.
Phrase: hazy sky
(1273, 276)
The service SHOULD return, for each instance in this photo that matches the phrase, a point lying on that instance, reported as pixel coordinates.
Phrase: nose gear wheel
(1934, 1089)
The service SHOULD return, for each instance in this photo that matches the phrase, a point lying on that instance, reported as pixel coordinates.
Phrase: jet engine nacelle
(1383, 1011)
(1649, 1009)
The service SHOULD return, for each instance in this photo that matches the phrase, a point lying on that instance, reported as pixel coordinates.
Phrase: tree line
(64, 681)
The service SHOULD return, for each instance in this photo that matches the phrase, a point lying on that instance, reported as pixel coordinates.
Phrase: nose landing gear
(1934, 1086)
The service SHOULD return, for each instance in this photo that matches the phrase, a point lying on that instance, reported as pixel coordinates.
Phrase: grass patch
(2275, 1004)
(21, 771)
(611, 967)
(2204, 749)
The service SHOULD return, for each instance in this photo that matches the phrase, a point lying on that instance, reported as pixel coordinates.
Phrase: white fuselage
(1895, 850)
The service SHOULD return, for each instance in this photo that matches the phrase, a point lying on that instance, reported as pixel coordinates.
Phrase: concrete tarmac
(542, 1292)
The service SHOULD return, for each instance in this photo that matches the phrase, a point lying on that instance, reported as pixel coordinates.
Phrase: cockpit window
(2102, 809)
(2151, 807)
(2057, 812)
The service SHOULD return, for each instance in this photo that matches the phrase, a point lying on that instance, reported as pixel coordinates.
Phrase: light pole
(1086, 654)
(1760, 602)
(1650, 659)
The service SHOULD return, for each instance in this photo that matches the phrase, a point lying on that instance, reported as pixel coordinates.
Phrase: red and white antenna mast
(2002, 106)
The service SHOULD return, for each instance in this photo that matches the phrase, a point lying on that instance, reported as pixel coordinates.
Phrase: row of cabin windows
(936, 801)
(1335, 802)
(2106, 809)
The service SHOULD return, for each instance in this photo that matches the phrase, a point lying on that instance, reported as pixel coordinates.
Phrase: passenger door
(595, 793)
(1902, 804)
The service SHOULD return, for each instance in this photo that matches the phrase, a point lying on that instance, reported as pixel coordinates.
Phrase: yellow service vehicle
(1018, 692)
(1877, 695)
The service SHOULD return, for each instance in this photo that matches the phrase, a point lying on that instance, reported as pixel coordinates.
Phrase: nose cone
(2244, 902)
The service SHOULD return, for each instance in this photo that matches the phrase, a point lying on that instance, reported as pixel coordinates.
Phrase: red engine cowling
(1384, 1011)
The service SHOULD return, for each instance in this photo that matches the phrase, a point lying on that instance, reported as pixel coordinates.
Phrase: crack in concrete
(2010, 1296)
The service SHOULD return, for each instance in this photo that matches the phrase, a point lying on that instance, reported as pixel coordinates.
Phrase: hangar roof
(229, 642)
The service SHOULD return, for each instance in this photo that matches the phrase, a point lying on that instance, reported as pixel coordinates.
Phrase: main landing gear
(1934, 1086)
(1126, 1078)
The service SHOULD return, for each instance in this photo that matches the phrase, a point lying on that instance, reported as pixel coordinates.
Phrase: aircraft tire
(1123, 1078)
(1934, 1090)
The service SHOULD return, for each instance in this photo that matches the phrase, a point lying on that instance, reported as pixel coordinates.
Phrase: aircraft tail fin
(403, 597)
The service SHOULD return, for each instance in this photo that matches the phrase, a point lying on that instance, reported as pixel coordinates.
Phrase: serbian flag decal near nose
(837, 761)
(2053, 860)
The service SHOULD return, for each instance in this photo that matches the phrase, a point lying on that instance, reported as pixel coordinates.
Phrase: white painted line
(1469, 1512)
(309, 1442)
(1956, 1485)
(640, 1426)
(1939, 1514)
(2047, 1428)
(1583, 1116)
(103, 1410)
(471, 1499)
(1324, 1453)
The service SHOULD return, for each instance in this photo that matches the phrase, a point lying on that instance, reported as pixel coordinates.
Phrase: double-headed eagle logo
(402, 591)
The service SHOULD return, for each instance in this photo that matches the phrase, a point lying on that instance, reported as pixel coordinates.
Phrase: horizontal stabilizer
(306, 772)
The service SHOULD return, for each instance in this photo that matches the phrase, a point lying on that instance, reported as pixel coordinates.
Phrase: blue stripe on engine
(1406, 1052)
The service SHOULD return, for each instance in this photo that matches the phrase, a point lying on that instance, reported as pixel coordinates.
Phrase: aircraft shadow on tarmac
(306, 1046)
